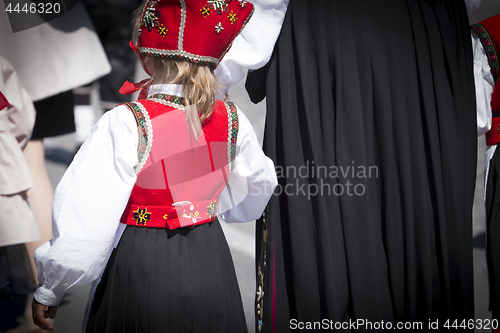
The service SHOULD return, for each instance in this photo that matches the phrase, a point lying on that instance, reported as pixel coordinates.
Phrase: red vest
(489, 33)
(179, 178)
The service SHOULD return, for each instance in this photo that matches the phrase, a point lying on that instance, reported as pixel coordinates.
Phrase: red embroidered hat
(199, 31)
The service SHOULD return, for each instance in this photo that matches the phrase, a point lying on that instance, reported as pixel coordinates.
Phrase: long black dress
(371, 124)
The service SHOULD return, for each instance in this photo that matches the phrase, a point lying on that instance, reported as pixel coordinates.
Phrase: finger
(39, 317)
(39, 312)
(51, 312)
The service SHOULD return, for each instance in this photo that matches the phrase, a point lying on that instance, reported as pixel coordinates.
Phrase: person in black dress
(371, 124)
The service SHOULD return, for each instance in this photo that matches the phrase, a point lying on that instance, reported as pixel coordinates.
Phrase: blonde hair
(199, 84)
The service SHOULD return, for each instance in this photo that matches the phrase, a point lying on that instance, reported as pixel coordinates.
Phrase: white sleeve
(87, 207)
(485, 84)
(253, 48)
(252, 180)
(22, 111)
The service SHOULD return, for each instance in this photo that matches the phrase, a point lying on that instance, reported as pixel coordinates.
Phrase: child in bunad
(486, 43)
(136, 212)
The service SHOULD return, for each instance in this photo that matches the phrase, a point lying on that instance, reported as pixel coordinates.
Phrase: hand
(40, 312)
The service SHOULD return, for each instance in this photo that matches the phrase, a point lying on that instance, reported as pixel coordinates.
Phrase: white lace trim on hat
(183, 25)
(177, 53)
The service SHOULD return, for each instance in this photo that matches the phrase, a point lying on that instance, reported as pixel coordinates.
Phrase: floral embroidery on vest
(232, 133)
(211, 209)
(490, 49)
(169, 98)
(146, 133)
(142, 216)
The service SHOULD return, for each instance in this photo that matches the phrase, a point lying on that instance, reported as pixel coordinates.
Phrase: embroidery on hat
(142, 216)
(157, 12)
(219, 5)
(211, 209)
(203, 60)
(205, 11)
(218, 28)
(162, 30)
(232, 17)
(150, 18)
(243, 3)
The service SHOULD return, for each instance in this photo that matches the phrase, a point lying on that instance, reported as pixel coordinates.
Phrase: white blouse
(253, 48)
(93, 193)
(485, 84)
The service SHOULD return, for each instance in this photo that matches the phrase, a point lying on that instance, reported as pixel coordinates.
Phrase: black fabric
(493, 234)
(16, 275)
(111, 19)
(385, 86)
(54, 116)
(160, 280)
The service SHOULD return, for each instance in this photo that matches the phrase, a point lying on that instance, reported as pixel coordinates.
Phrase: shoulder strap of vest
(145, 132)
(489, 47)
(232, 132)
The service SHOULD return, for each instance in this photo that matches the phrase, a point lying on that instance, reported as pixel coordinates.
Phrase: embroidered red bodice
(180, 178)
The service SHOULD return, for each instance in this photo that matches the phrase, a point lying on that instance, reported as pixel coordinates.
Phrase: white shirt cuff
(47, 296)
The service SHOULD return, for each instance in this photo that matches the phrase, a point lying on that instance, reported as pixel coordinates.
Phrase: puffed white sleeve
(87, 206)
(253, 48)
(252, 180)
(485, 84)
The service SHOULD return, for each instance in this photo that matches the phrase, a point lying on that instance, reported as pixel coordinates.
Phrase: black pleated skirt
(371, 124)
(160, 280)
